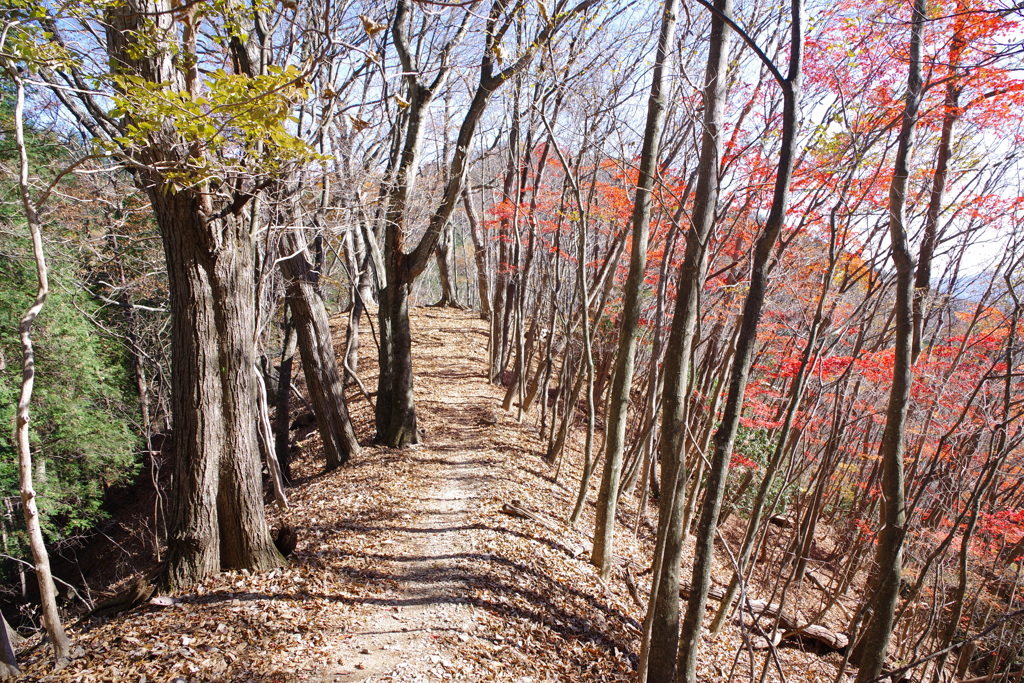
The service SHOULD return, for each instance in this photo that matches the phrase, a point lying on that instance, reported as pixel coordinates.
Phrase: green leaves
(80, 415)
(24, 43)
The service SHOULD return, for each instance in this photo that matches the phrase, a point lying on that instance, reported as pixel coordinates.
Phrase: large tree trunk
(316, 346)
(622, 380)
(217, 515)
(885, 587)
(395, 413)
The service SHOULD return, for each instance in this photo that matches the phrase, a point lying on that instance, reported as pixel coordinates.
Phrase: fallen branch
(833, 640)
(516, 509)
(828, 638)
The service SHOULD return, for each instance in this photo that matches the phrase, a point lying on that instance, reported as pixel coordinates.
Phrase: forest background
(765, 259)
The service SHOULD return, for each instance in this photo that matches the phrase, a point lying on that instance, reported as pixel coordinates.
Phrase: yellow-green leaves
(236, 124)
(23, 39)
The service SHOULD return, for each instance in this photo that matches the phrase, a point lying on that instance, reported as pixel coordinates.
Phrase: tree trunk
(351, 357)
(889, 552)
(522, 368)
(265, 438)
(8, 661)
(47, 592)
(396, 409)
(442, 253)
(771, 470)
(316, 346)
(217, 509)
(282, 444)
(358, 257)
(725, 437)
(217, 515)
(661, 625)
(622, 381)
(951, 113)
(747, 337)
(479, 256)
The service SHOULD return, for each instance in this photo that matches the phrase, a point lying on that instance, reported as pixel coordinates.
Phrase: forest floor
(406, 567)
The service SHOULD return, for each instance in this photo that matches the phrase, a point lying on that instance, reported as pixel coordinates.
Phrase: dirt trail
(400, 643)
(406, 569)
(455, 581)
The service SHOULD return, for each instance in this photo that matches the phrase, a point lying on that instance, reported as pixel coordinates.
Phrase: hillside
(406, 567)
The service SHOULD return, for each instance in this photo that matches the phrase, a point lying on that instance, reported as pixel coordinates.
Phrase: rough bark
(316, 347)
(217, 507)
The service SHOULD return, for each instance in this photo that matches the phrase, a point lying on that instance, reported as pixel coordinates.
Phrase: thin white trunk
(47, 592)
(265, 433)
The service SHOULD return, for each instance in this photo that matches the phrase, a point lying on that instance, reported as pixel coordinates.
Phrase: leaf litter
(406, 568)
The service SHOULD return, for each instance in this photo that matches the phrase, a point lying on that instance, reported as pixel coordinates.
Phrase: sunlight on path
(400, 642)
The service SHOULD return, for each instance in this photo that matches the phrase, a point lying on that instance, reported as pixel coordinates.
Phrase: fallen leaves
(405, 567)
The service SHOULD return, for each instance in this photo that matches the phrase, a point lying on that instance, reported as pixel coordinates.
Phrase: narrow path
(402, 643)
(430, 557)
(464, 592)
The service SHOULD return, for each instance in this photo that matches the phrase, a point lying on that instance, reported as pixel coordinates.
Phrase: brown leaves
(405, 569)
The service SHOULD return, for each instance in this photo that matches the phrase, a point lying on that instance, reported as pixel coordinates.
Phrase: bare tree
(47, 591)
(764, 255)
(395, 408)
(661, 625)
(884, 589)
(622, 378)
